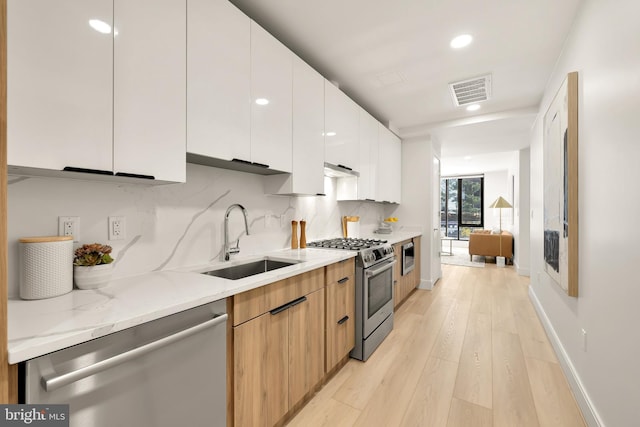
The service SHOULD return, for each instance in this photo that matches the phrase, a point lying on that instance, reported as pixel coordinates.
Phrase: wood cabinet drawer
(340, 327)
(255, 302)
(340, 270)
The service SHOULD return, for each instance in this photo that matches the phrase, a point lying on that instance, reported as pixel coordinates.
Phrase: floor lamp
(500, 203)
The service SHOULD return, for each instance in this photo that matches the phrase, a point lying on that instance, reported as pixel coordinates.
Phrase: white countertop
(395, 237)
(41, 326)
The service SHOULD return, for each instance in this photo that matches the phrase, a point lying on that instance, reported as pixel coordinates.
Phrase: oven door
(378, 295)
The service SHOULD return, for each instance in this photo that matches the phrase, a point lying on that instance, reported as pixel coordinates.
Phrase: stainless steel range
(374, 290)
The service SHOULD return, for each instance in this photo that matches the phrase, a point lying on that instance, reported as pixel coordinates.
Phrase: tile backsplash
(176, 225)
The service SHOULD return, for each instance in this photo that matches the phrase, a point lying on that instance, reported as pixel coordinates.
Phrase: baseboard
(426, 284)
(589, 412)
(521, 271)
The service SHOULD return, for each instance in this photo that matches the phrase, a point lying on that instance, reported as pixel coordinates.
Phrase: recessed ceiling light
(100, 26)
(473, 107)
(330, 134)
(262, 101)
(461, 41)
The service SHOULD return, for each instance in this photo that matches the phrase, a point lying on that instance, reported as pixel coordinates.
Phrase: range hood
(339, 171)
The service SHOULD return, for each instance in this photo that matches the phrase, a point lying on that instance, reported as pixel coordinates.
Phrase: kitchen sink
(249, 269)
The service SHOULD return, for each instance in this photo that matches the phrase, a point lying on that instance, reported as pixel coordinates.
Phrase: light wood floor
(472, 352)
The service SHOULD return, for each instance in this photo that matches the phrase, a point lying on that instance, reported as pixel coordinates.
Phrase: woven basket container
(46, 266)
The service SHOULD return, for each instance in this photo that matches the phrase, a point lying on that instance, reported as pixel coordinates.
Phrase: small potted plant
(92, 266)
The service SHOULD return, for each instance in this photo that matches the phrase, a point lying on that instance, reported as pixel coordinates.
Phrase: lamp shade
(500, 203)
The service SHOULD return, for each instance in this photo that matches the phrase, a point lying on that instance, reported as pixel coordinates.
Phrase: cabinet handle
(246, 162)
(85, 170)
(261, 165)
(370, 200)
(320, 194)
(297, 301)
(344, 279)
(344, 319)
(345, 167)
(287, 306)
(135, 175)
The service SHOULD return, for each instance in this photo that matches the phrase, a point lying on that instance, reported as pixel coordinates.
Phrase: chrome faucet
(228, 250)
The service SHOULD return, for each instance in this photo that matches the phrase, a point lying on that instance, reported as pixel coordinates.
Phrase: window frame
(461, 224)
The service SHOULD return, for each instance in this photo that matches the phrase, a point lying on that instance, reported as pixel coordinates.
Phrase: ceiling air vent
(470, 91)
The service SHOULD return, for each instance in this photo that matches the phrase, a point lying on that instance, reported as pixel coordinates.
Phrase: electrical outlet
(584, 340)
(117, 228)
(69, 226)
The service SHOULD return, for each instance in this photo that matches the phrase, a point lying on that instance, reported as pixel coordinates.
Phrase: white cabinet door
(341, 128)
(218, 72)
(150, 88)
(271, 100)
(308, 129)
(368, 143)
(390, 165)
(59, 106)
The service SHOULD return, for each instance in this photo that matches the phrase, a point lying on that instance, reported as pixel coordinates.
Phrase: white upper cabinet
(390, 167)
(342, 116)
(271, 101)
(150, 88)
(368, 143)
(80, 98)
(219, 72)
(60, 74)
(307, 174)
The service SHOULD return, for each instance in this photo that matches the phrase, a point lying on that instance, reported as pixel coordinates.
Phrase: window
(461, 202)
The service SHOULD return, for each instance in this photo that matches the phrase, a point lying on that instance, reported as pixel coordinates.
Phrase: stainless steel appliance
(374, 290)
(408, 258)
(168, 372)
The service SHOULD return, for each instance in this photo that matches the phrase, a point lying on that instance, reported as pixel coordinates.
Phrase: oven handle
(388, 265)
(53, 383)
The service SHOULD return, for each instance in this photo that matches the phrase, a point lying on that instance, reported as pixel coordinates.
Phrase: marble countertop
(394, 237)
(42, 326)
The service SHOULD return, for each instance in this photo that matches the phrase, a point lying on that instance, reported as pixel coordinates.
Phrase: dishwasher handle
(52, 382)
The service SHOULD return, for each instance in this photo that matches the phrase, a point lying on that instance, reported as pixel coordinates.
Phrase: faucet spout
(228, 250)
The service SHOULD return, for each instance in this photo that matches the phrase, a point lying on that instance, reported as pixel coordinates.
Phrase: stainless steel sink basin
(249, 269)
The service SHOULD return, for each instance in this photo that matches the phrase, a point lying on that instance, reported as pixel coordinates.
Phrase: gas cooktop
(347, 243)
(370, 251)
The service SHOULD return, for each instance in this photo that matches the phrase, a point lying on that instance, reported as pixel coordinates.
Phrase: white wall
(496, 185)
(604, 47)
(416, 206)
(521, 211)
(174, 225)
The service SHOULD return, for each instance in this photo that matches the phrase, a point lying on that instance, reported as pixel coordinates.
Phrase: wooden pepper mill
(303, 234)
(294, 234)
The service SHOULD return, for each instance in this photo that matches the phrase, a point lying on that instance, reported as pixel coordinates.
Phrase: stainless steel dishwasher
(168, 372)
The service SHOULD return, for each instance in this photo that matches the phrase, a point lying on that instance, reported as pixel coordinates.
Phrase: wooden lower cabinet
(278, 358)
(306, 346)
(286, 337)
(404, 285)
(261, 388)
(340, 328)
(397, 274)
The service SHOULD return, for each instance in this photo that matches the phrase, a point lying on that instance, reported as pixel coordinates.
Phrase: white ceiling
(393, 58)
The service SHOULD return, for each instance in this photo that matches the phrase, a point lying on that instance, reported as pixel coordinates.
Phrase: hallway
(472, 352)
